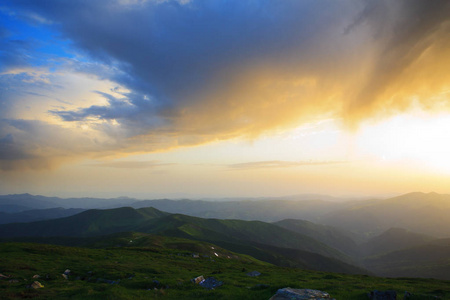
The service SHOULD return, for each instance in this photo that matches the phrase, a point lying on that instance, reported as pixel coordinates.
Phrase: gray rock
(300, 294)
(211, 283)
(253, 274)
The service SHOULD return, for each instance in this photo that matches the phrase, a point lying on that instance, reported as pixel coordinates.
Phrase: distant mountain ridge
(429, 260)
(21, 202)
(418, 212)
(392, 240)
(38, 215)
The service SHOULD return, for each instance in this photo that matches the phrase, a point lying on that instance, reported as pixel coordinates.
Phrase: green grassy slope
(216, 230)
(264, 241)
(150, 220)
(158, 271)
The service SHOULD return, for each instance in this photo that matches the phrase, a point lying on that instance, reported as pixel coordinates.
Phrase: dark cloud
(179, 54)
(133, 111)
(9, 149)
(29, 144)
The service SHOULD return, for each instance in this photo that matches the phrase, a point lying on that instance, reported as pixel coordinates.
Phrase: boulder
(36, 285)
(198, 279)
(253, 274)
(300, 294)
(210, 283)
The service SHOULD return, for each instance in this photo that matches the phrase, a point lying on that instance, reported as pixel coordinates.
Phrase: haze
(224, 98)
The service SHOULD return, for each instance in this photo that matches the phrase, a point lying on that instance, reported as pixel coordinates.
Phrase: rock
(66, 274)
(36, 285)
(300, 294)
(382, 295)
(36, 276)
(208, 283)
(4, 276)
(211, 283)
(253, 274)
(198, 279)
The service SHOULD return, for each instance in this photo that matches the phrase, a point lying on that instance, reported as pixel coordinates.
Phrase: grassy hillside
(159, 271)
(149, 220)
(264, 241)
(237, 230)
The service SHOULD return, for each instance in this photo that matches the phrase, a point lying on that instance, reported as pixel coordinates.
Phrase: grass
(161, 268)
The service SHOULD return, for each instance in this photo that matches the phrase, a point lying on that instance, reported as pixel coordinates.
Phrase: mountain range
(358, 236)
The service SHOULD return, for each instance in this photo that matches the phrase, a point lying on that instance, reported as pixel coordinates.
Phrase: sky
(224, 98)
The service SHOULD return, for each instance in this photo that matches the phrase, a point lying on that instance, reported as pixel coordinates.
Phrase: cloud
(272, 164)
(192, 72)
(27, 144)
(131, 164)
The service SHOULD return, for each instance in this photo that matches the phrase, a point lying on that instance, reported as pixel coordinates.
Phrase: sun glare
(417, 139)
